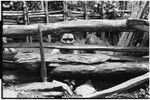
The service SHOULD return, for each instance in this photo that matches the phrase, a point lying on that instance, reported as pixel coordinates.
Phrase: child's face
(67, 38)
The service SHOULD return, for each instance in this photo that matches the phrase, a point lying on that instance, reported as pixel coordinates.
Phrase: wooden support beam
(43, 66)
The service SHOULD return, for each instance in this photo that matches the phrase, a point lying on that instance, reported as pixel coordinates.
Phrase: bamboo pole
(43, 66)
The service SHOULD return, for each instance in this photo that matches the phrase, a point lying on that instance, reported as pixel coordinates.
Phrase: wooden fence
(72, 26)
(100, 25)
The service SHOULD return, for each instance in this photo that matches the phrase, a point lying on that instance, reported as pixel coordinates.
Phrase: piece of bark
(121, 87)
(100, 69)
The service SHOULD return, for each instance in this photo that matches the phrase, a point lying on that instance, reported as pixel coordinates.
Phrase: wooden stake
(43, 66)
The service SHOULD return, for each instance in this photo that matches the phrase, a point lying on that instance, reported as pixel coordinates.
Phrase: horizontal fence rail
(79, 47)
(77, 26)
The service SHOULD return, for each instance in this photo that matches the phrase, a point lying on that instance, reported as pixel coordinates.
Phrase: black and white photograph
(75, 49)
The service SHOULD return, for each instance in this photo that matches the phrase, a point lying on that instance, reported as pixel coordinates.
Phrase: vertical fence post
(25, 13)
(65, 10)
(85, 11)
(43, 66)
(46, 12)
(26, 19)
(47, 18)
(42, 4)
